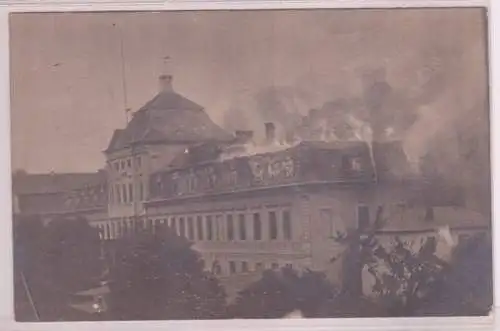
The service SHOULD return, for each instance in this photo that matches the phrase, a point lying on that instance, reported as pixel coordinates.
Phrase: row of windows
(232, 226)
(122, 165)
(212, 227)
(237, 267)
(124, 193)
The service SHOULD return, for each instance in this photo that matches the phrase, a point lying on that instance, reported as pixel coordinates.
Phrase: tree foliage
(280, 292)
(72, 253)
(52, 262)
(159, 276)
(413, 282)
(467, 287)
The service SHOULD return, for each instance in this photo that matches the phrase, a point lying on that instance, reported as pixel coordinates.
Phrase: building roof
(53, 182)
(60, 193)
(169, 117)
(401, 219)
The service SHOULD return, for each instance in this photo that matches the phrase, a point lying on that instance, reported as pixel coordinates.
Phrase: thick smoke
(440, 115)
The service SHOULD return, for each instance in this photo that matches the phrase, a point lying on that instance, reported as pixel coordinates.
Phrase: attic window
(351, 163)
(429, 214)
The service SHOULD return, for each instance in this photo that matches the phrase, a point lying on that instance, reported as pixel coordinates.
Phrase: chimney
(270, 132)
(165, 83)
(242, 136)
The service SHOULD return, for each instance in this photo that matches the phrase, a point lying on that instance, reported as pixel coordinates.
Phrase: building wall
(238, 256)
(128, 177)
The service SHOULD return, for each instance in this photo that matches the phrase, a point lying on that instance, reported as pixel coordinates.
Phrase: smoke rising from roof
(442, 110)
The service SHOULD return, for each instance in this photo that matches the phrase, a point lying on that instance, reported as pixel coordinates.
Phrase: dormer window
(429, 214)
(351, 163)
(356, 164)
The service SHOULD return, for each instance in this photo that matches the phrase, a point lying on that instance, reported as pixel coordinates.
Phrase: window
(199, 225)
(287, 225)
(363, 217)
(124, 228)
(289, 266)
(182, 227)
(244, 266)
(273, 226)
(242, 227)
(107, 234)
(218, 227)
(351, 163)
(356, 164)
(173, 225)
(210, 229)
(129, 163)
(122, 165)
(429, 214)
(259, 266)
(141, 191)
(118, 194)
(275, 266)
(230, 227)
(111, 196)
(232, 267)
(117, 166)
(463, 237)
(346, 162)
(124, 192)
(257, 227)
(130, 192)
(138, 161)
(190, 228)
(118, 229)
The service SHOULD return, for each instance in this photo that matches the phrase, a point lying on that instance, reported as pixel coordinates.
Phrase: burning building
(251, 206)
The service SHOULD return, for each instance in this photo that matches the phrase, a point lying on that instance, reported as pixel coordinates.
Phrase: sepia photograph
(250, 164)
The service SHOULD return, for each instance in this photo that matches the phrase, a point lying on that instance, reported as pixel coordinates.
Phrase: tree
(467, 288)
(52, 262)
(413, 282)
(406, 278)
(72, 254)
(27, 265)
(158, 276)
(280, 292)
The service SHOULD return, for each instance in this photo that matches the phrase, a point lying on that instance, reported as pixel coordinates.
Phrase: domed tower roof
(169, 118)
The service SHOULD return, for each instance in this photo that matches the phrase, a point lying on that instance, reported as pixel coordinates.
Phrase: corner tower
(165, 126)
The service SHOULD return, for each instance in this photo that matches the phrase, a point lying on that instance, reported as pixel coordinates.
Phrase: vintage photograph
(250, 164)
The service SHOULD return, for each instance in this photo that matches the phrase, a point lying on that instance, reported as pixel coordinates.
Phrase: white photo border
(429, 323)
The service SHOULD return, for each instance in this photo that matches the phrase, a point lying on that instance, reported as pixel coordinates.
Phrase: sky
(67, 84)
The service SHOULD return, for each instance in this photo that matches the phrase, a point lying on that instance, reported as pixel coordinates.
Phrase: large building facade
(249, 207)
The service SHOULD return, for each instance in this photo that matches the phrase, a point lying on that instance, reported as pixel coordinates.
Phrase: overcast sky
(67, 86)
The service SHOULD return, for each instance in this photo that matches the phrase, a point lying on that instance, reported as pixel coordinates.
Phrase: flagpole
(123, 74)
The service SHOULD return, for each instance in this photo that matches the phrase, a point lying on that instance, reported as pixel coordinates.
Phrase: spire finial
(166, 78)
(166, 65)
